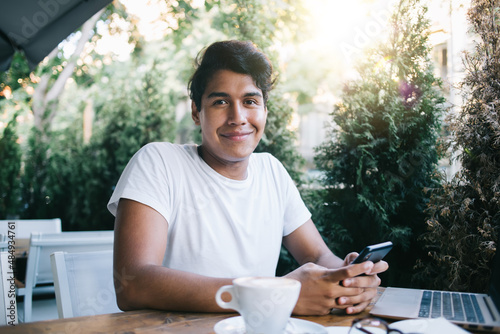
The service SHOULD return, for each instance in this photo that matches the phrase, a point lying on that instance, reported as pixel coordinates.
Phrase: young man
(189, 218)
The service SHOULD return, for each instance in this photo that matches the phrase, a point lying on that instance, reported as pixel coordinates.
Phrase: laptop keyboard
(450, 305)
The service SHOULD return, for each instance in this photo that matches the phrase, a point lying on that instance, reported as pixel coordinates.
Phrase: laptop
(473, 311)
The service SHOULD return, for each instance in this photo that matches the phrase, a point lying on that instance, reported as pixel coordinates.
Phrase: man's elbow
(128, 296)
(125, 304)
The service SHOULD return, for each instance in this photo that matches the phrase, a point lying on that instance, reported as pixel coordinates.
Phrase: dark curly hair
(237, 56)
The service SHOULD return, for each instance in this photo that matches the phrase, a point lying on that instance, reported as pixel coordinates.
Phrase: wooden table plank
(148, 321)
(106, 323)
(203, 324)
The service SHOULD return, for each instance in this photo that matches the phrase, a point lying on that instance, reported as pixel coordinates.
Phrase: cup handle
(232, 304)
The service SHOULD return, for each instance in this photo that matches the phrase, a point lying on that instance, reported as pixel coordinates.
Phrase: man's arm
(328, 281)
(307, 245)
(141, 281)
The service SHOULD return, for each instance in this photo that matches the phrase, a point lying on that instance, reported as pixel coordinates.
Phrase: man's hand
(322, 288)
(368, 283)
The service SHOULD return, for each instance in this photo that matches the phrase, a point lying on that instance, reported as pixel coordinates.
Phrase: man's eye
(251, 102)
(219, 102)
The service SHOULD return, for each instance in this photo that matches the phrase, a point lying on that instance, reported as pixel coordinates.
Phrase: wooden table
(152, 321)
(149, 321)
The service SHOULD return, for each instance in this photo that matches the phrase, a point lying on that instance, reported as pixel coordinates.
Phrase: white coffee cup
(265, 303)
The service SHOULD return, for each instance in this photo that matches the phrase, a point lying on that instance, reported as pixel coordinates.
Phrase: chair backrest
(8, 304)
(84, 283)
(22, 228)
(4, 245)
(38, 268)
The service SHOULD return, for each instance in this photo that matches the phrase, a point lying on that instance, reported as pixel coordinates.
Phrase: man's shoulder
(266, 159)
(163, 145)
(165, 153)
(263, 156)
(168, 148)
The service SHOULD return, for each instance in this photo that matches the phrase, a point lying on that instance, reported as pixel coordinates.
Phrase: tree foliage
(382, 151)
(464, 216)
(78, 180)
(10, 157)
(16, 76)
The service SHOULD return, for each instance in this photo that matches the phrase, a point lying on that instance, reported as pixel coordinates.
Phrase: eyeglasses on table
(372, 325)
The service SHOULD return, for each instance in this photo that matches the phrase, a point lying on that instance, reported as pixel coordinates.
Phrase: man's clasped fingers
(364, 295)
(368, 281)
(350, 271)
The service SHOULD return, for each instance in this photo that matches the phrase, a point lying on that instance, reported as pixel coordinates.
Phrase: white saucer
(236, 325)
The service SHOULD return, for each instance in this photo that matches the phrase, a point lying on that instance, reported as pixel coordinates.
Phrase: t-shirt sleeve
(295, 210)
(296, 213)
(145, 180)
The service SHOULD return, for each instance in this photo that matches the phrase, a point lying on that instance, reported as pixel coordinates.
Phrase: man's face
(232, 117)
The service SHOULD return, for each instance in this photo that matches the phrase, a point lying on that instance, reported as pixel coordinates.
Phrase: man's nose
(237, 114)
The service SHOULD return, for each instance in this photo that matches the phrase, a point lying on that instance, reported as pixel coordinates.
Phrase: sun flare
(347, 28)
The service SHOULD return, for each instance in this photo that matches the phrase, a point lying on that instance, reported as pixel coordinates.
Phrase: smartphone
(373, 253)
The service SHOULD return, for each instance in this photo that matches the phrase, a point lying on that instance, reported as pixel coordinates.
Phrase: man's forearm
(157, 287)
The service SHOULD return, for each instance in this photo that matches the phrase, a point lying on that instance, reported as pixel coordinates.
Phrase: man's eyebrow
(253, 94)
(222, 94)
(217, 94)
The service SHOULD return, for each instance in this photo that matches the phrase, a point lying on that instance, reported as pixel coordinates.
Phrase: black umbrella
(37, 26)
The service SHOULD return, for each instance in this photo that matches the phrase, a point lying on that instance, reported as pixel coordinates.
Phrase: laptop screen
(494, 290)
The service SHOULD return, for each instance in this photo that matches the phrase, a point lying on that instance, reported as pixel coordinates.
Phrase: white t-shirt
(217, 226)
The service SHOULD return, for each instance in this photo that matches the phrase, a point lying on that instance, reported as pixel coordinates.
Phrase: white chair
(84, 283)
(15, 235)
(8, 304)
(4, 244)
(22, 228)
(38, 268)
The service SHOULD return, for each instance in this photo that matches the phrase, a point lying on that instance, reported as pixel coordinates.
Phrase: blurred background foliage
(464, 213)
(383, 150)
(75, 121)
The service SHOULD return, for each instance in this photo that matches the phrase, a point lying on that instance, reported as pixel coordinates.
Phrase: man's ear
(195, 114)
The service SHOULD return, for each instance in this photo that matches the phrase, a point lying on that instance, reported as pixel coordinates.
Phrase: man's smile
(237, 135)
